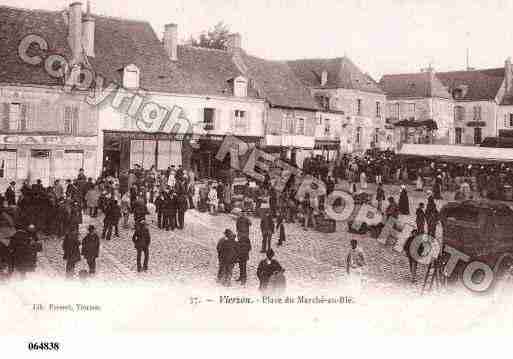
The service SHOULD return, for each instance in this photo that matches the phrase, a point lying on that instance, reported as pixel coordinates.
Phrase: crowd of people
(56, 211)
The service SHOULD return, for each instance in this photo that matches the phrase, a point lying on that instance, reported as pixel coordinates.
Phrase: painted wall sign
(47, 140)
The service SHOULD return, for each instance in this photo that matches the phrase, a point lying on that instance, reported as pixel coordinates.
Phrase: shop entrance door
(111, 162)
(40, 166)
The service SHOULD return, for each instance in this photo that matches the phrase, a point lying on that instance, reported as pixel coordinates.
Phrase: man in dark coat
(140, 210)
(267, 228)
(159, 209)
(22, 251)
(111, 220)
(242, 225)
(10, 194)
(266, 268)
(181, 207)
(75, 215)
(227, 254)
(71, 248)
(142, 239)
(91, 248)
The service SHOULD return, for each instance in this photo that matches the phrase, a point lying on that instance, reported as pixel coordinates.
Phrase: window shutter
(247, 122)
(217, 118)
(75, 117)
(233, 126)
(5, 116)
(23, 117)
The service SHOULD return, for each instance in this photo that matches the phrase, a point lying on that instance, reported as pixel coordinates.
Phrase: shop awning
(459, 154)
(431, 124)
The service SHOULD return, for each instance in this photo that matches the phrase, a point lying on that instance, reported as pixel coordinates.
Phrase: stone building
(456, 107)
(420, 107)
(348, 97)
(48, 132)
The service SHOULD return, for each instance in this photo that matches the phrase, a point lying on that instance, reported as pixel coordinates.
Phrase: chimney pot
(508, 74)
(171, 41)
(88, 28)
(75, 31)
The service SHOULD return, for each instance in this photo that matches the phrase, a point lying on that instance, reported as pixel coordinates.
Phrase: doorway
(40, 166)
(111, 162)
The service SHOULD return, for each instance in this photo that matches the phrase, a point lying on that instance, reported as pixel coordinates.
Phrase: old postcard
(264, 167)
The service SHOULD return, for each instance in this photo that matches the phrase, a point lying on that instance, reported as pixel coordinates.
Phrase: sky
(380, 36)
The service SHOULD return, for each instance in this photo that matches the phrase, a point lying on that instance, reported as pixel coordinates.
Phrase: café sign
(47, 140)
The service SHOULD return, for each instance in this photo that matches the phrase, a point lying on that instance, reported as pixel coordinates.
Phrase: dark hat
(13, 183)
(228, 233)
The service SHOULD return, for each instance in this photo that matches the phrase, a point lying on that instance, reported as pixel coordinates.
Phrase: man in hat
(91, 248)
(141, 239)
(244, 247)
(10, 194)
(227, 255)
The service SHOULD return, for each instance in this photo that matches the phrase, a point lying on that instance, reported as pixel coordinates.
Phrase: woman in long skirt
(404, 202)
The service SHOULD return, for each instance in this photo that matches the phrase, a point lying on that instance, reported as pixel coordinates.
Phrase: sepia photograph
(340, 167)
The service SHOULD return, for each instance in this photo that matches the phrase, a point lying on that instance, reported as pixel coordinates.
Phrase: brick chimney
(508, 75)
(88, 32)
(75, 31)
(171, 41)
(234, 43)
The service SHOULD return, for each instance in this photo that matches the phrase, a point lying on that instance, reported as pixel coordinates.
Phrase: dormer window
(131, 76)
(240, 87)
(460, 91)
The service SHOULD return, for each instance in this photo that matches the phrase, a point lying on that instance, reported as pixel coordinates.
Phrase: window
(208, 118)
(16, 115)
(241, 124)
(7, 164)
(324, 102)
(511, 120)
(358, 135)
(459, 113)
(359, 107)
(458, 135)
(478, 135)
(376, 136)
(477, 113)
(169, 153)
(378, 109)
(410, 109)
(300, 126)
(508, 120)
(142, 153)
(393, 110)
(71, 120)
(72, 162)
(288, 123)
(131, 77)
(327, 127)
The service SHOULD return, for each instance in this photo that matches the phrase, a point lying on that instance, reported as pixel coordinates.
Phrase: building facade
(351, 98)
(48, 131)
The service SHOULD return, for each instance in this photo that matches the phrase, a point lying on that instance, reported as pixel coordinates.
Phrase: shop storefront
(204, 162)
(327, 148)
(123, 150)
(45, 157)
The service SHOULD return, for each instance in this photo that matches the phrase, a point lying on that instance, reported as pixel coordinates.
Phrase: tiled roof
(342, 73)
(481, 84)
(414, 85)
(278, 83)
(207, 70)
(118, 42)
